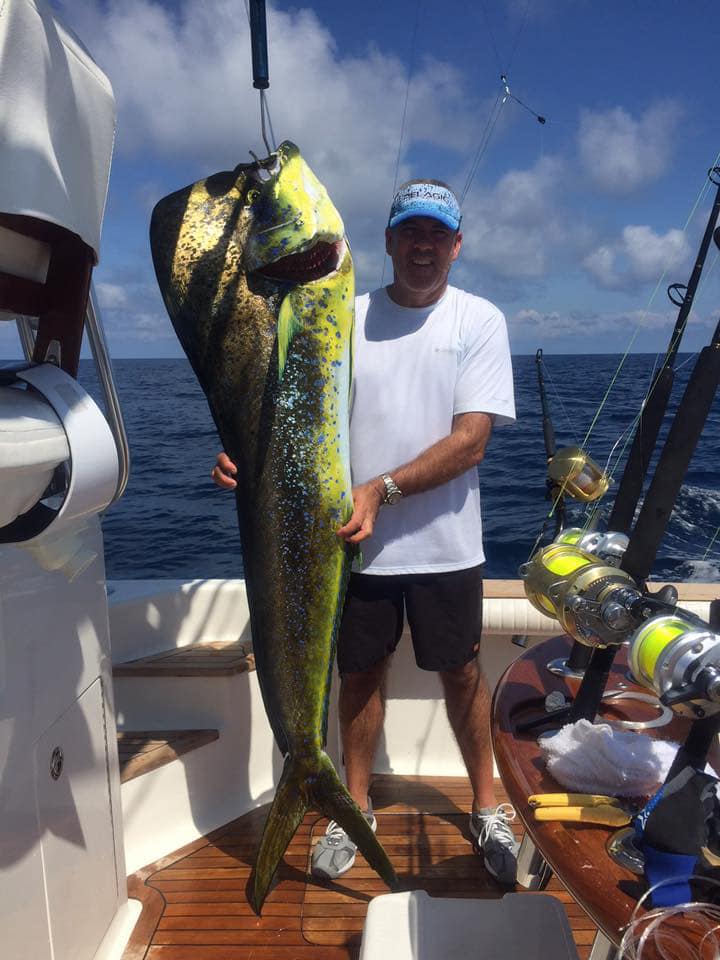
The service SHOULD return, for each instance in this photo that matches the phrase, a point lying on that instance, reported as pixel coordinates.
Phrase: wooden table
(576, 852)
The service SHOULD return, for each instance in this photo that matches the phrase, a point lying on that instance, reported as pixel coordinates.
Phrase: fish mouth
(313, 263)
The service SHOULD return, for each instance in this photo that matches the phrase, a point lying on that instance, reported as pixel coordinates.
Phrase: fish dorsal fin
(289, 325)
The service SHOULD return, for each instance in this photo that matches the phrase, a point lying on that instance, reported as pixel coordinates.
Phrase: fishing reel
(609, 546)
(678, 657)
(596, 603)
(575, 473)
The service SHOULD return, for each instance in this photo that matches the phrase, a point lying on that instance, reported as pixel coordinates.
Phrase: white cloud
(182, 80)
(520, 228)
(623, 325)
(111, 295)
(620, 153)
(638, 256)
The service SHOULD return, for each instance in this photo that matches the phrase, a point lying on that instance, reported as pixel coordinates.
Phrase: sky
(574, 227)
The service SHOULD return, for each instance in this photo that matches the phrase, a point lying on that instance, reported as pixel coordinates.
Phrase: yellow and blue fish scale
(272, 351)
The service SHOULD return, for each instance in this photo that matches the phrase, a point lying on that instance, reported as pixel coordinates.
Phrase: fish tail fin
(333, 799)
(286, 814)
(300, 783)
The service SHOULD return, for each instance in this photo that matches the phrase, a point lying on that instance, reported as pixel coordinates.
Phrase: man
(431, 374)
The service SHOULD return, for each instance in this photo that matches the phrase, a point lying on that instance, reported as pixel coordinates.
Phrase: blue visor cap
(425, 200)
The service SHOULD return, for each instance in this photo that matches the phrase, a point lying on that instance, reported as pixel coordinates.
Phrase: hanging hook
(261, 72)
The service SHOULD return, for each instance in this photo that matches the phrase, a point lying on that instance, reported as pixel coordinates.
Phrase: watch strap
(392, 490)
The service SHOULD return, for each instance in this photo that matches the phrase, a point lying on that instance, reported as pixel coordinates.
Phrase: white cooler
(415, 926)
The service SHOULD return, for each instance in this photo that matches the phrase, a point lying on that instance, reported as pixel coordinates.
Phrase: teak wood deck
(195, 905)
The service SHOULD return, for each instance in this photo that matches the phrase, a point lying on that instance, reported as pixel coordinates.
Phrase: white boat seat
(32, 444)
(415, 926)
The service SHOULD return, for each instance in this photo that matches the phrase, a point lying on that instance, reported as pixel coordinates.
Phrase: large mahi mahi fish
(258, 281)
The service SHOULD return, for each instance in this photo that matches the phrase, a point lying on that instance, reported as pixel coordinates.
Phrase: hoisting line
(261, 75)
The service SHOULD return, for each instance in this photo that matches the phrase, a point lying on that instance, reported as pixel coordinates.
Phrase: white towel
(596, 758)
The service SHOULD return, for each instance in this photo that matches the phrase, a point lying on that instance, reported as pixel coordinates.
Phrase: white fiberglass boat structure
(102, 683)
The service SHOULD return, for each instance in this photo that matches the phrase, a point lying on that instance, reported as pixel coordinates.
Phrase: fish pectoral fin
(286, 814)
(335, 802)
(288, 326)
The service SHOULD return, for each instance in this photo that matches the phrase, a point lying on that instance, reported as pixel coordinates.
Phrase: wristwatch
(392, 491)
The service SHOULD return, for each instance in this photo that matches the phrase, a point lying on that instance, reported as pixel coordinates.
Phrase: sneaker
(334, 854)
(496, 842)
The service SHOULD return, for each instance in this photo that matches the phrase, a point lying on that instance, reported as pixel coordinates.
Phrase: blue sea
(174, 522)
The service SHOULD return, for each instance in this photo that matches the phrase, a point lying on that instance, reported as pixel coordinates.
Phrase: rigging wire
(411, 65)
(487, 133)
(502, 99)
(492, 36)
(265, 115)
(518, 35)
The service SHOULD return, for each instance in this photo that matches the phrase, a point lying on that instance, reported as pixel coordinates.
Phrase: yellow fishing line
(709, 546)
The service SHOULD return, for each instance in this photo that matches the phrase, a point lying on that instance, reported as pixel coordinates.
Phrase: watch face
(392, 490)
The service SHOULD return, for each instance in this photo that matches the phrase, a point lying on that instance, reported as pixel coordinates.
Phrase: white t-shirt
(413, 370)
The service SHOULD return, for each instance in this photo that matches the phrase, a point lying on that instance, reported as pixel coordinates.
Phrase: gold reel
(568, 583)
(548, 570)
(577, 474)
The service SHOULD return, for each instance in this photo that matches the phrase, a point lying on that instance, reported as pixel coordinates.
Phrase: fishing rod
(575, 664)
(570, 471)
(645, 438)
(600, 605)
(674, 460)
(625, 610)
(656, 401)
(555, 494)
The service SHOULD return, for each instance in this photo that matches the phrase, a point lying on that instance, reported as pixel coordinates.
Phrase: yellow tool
(580, 808)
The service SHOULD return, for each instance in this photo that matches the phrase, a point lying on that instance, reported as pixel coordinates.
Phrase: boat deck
(195, 906)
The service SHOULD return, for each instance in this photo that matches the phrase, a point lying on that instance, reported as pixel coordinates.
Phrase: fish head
(295, 256)
(294, 233)
(255, 271)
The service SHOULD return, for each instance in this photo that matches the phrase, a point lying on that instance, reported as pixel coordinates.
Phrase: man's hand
(367, 500)
(223, 471)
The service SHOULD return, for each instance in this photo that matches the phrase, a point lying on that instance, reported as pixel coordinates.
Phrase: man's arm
(450, 457)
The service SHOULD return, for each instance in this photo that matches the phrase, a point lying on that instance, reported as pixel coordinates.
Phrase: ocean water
(174, 522)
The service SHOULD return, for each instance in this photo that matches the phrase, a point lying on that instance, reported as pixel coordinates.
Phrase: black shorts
(444, 611)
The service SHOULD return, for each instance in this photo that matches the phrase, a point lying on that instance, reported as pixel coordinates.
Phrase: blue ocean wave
(173, 521)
